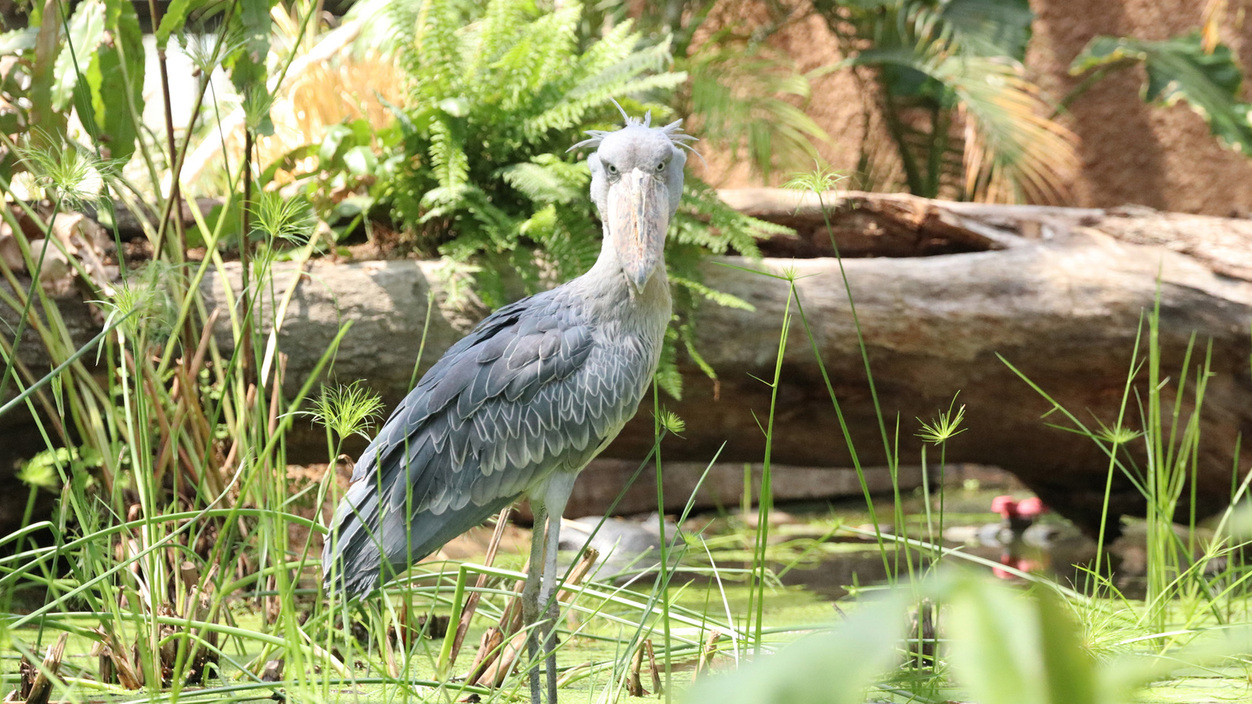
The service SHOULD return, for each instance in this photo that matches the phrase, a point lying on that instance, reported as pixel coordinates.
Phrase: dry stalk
(273, 670)
(276, 393)
(114, 665)
(488, 648)
(634, 686)
(471, 603)
(706, 653)
(502, 661)
(492, 662)
(199, 607)
(488, 665)
(656, 674)
(572, 674)
(578, 574)
(410, 628)
(36, 684)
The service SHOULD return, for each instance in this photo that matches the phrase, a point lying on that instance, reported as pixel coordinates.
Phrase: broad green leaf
(337, 138)
(1009, 647)
(995, 636)
(19, 40)
(1180, 70)
(834, 667)
(1069, 670)
(287, 161)
(247, 64)
(86, 33)
(172, 21)
(362, 131)
(51, 122)
(360, 161)
(117, 81)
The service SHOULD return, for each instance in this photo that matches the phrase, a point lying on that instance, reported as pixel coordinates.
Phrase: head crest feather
(673, 131)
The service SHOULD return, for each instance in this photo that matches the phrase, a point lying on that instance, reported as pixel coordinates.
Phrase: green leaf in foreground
(1010, 647)
(114, 95)
(834, 667)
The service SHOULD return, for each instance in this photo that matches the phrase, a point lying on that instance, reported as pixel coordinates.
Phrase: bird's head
(636, 183)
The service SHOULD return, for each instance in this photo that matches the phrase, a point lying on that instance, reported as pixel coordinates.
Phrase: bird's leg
(530, 595)
(559, 487)
(547, 597)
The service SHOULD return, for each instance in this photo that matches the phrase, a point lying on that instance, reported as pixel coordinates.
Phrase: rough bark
(720, 485)
(1058, 293)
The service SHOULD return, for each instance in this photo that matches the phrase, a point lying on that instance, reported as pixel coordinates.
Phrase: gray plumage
(532, 394)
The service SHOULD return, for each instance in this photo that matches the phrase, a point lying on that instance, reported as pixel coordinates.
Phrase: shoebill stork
(520, 405)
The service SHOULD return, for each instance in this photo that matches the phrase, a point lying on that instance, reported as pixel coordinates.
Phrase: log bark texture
(1058, 293)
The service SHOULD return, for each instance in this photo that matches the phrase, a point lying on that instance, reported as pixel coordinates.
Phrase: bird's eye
(612, 169)
(660, 166)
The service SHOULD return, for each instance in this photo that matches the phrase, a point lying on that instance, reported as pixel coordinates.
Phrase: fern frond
(721, 298)
(496, 96)
(500, 226)
(567, 253)
(614, 46)
(435, 61)
(576, 175)
(704, 214)
(441, 202)
(687, 335)
(596, 85)
(540, 184)
(496, 33)
(652, 58)
(667, 376)
(447, 152)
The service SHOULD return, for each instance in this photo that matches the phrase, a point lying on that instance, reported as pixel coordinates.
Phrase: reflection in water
(1056, 551)
(832, 576)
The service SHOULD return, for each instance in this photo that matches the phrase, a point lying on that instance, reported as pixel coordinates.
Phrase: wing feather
(533, 389)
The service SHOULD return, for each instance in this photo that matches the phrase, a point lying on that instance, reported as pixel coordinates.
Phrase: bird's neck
(606, 289)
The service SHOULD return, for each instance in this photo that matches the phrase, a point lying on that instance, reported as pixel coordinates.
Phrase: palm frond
(1013, 151)
(743, 97)
(960, 62)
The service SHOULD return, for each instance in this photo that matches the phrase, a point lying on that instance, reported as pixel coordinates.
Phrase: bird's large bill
(638, 217)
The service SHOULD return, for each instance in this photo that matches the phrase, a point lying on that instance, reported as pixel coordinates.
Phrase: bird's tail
(367, 545)
(352, 559)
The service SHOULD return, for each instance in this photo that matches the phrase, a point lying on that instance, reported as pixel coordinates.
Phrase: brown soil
(1161, 157)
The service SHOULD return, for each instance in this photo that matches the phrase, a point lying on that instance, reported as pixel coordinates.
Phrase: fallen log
(720, 485)
(1059, 293)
